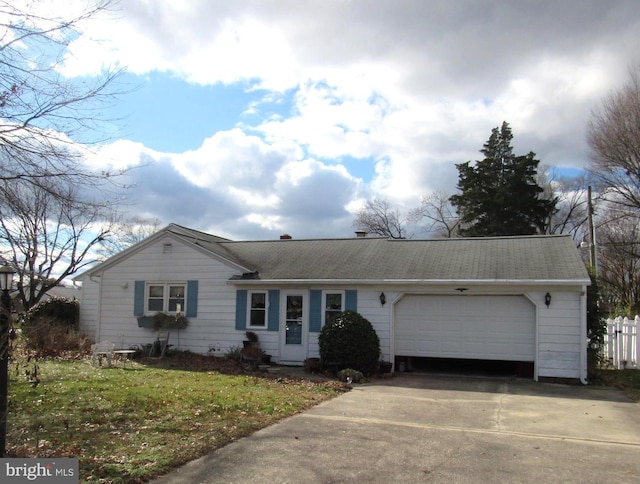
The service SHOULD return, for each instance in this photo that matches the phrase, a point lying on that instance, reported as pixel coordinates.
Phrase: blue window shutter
(351, 300)
(241, 309)
(315, 310)
(273, 315)
(192, 299)
(138, 299)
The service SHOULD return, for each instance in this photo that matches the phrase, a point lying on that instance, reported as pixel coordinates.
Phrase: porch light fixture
(6, 281)
(383, 298)
(547, 299)
(6, 277)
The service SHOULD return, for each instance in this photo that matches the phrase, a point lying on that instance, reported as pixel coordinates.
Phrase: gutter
(398, 282)
(583, 337)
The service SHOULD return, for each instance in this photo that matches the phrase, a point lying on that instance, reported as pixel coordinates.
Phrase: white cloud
(409, 88)
(239, 183)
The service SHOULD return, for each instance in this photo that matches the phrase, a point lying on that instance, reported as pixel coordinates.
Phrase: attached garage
(466, 327)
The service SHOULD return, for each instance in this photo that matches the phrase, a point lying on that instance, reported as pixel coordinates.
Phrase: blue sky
(249, 119)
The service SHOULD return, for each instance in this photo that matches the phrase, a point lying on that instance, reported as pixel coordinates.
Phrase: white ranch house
(517, 299)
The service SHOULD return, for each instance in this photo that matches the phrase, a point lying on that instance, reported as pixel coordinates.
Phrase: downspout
(99, 319)
(583, 336)
(392, 335)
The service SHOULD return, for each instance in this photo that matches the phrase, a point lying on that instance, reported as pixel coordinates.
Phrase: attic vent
(166, 248)
(285, 237)
(361, 233)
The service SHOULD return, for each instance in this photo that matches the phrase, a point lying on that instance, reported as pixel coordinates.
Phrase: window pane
(334, 301)
(155, 305)
(156, 298)
(258, 300)
(294, 307)
(333, 306)
(173, 305)
(257, 317)
(176, 296)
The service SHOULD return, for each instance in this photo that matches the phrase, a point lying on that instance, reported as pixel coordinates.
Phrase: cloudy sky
(249, 119)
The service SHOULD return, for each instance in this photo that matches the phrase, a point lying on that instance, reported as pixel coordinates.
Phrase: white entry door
(294, 327)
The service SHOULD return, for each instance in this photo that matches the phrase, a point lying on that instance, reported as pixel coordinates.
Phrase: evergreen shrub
(349, 341)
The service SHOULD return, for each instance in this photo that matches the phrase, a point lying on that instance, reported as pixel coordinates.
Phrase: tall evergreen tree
(500, 194)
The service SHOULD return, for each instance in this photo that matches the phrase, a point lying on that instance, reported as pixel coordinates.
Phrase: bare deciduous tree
(619, 261)
(377, 217)
(436, 209)
(42, 113)
(47, 237)
(128, 233)
(613, 134)
(570, 193)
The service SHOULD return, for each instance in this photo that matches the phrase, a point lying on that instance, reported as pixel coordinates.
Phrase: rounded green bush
(349, 341)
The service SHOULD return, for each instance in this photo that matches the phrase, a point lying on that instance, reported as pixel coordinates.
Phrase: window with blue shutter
(315, 310)
(165, 297)
(274, 310)
(138, 298)
(351, 300)
(241, 309)
(192, 299)
(323, 306)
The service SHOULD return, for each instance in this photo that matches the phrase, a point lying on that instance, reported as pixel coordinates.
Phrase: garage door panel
(475, 327)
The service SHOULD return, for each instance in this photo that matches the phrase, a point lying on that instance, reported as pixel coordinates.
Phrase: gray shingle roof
(369, 259)
(548, 258)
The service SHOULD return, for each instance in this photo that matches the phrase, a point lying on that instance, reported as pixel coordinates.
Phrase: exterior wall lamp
(383, 298)
(547, 299)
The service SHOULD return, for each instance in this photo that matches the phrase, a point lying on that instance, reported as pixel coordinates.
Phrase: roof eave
(399, 282)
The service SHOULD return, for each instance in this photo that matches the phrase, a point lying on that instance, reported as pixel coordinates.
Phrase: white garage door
(470, 327)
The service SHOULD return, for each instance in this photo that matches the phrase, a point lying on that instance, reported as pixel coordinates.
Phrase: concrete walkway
(428, 428)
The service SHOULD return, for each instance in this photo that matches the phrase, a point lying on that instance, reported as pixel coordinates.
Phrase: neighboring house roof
(63, 291)
(373, 259)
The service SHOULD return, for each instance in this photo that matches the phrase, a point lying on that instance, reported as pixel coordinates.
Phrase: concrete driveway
(428, 428)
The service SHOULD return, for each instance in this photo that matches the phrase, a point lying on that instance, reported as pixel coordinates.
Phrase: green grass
(626, 380)
(132, 424)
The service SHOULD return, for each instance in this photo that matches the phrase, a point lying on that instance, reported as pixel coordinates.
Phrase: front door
(294, 327)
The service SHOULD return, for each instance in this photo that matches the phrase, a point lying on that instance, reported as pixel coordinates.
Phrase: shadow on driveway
(499, 384)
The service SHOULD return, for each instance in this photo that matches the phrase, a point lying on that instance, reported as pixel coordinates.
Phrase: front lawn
(131, 424)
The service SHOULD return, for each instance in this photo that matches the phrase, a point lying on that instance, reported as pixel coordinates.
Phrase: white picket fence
(622, 344)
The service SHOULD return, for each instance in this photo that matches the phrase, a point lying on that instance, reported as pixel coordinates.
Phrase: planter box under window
(149, 322)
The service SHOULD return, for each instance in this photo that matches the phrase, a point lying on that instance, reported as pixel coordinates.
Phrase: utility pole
(593, 253)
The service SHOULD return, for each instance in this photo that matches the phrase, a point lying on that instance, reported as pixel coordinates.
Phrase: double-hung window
(257, 309)
(166, 297)
(333, 304)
